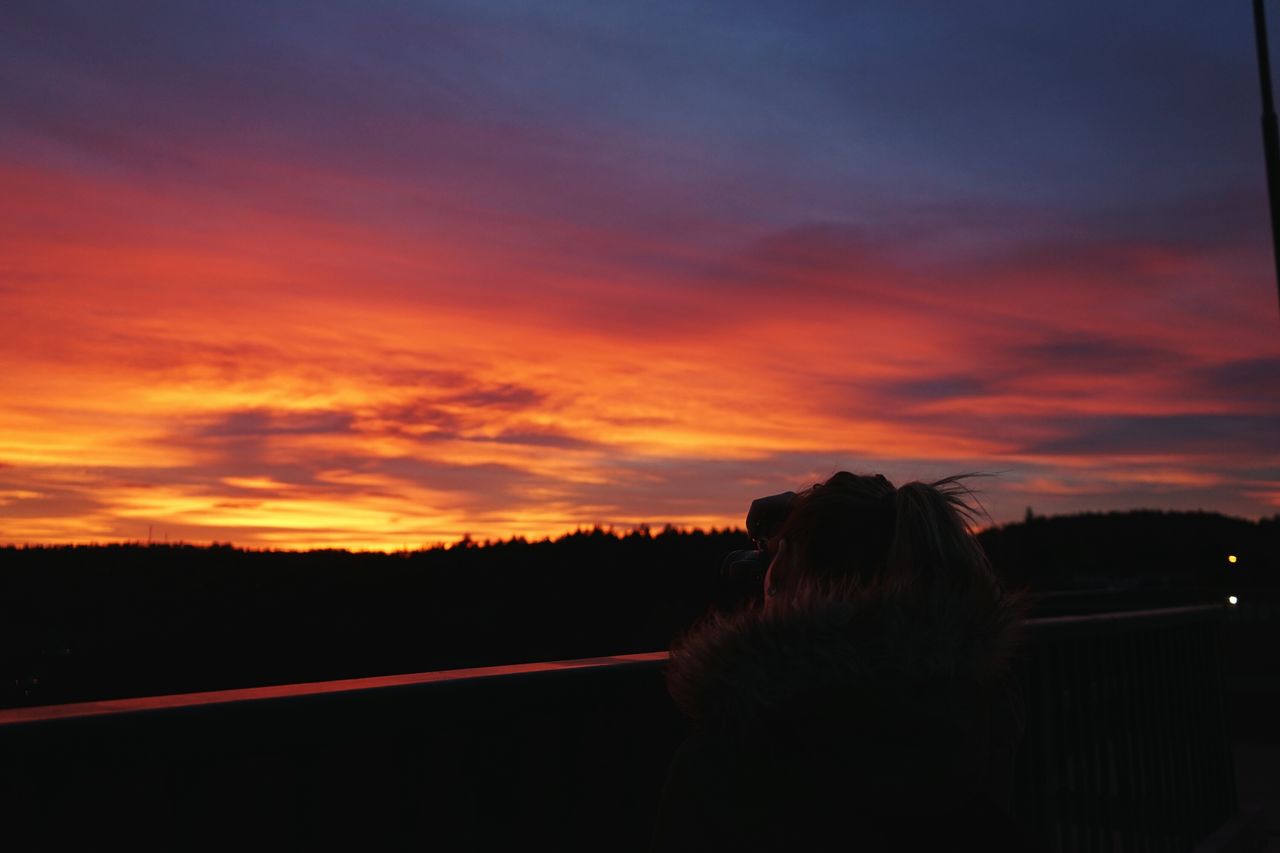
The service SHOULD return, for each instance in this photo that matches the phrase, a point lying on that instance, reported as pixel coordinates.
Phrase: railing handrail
(1119, 620)
(173, 701)
(1126, 618)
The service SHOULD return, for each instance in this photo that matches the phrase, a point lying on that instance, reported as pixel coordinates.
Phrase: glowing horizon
(379, 278)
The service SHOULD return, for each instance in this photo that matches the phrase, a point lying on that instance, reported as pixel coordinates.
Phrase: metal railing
(1127, 746)
(1125, 750)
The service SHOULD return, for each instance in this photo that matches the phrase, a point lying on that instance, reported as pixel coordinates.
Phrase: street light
(1270, 135)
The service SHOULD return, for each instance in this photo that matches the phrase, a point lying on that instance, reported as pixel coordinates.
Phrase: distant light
(1231, 558)
(1232, 600)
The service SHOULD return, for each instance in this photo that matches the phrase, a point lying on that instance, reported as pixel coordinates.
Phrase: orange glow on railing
(10, 716)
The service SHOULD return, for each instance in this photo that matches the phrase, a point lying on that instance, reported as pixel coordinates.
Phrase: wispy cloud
(311, 275)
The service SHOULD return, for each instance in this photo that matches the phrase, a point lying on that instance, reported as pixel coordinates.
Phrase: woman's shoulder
(746, 669)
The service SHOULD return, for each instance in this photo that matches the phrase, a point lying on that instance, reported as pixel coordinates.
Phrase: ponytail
(933, 542)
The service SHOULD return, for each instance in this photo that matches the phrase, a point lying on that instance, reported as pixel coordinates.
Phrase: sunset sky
(379, 274)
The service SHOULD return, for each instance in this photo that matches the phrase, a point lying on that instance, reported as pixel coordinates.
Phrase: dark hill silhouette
(87, 622)
(1090, 549)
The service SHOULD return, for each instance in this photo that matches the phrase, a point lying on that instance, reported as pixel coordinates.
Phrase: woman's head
(870, 584)
(857, 533)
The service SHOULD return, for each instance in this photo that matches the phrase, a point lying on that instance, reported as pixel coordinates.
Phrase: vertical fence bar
(1050, 740)
(1227, 804)
(1132, 771)
(1185, 742)
(1069, 690)
(1090, 672)
(1159, 742)
(1104, 731)
(1168, 743)
(1083, 678)
(1193, 756)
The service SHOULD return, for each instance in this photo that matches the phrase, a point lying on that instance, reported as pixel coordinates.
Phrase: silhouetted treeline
(117, 620)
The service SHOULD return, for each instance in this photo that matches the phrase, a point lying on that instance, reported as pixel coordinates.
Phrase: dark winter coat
(831, 725)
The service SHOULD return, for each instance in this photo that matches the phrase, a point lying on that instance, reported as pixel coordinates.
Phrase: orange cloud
(247, 366)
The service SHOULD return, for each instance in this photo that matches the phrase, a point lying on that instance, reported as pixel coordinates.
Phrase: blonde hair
(857, 537)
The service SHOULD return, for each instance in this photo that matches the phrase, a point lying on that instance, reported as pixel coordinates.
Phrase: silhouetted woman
(866, 703)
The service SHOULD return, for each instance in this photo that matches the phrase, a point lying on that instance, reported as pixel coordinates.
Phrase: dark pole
(1270, 136)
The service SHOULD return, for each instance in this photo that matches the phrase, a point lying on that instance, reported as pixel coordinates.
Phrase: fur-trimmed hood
(866, 685)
